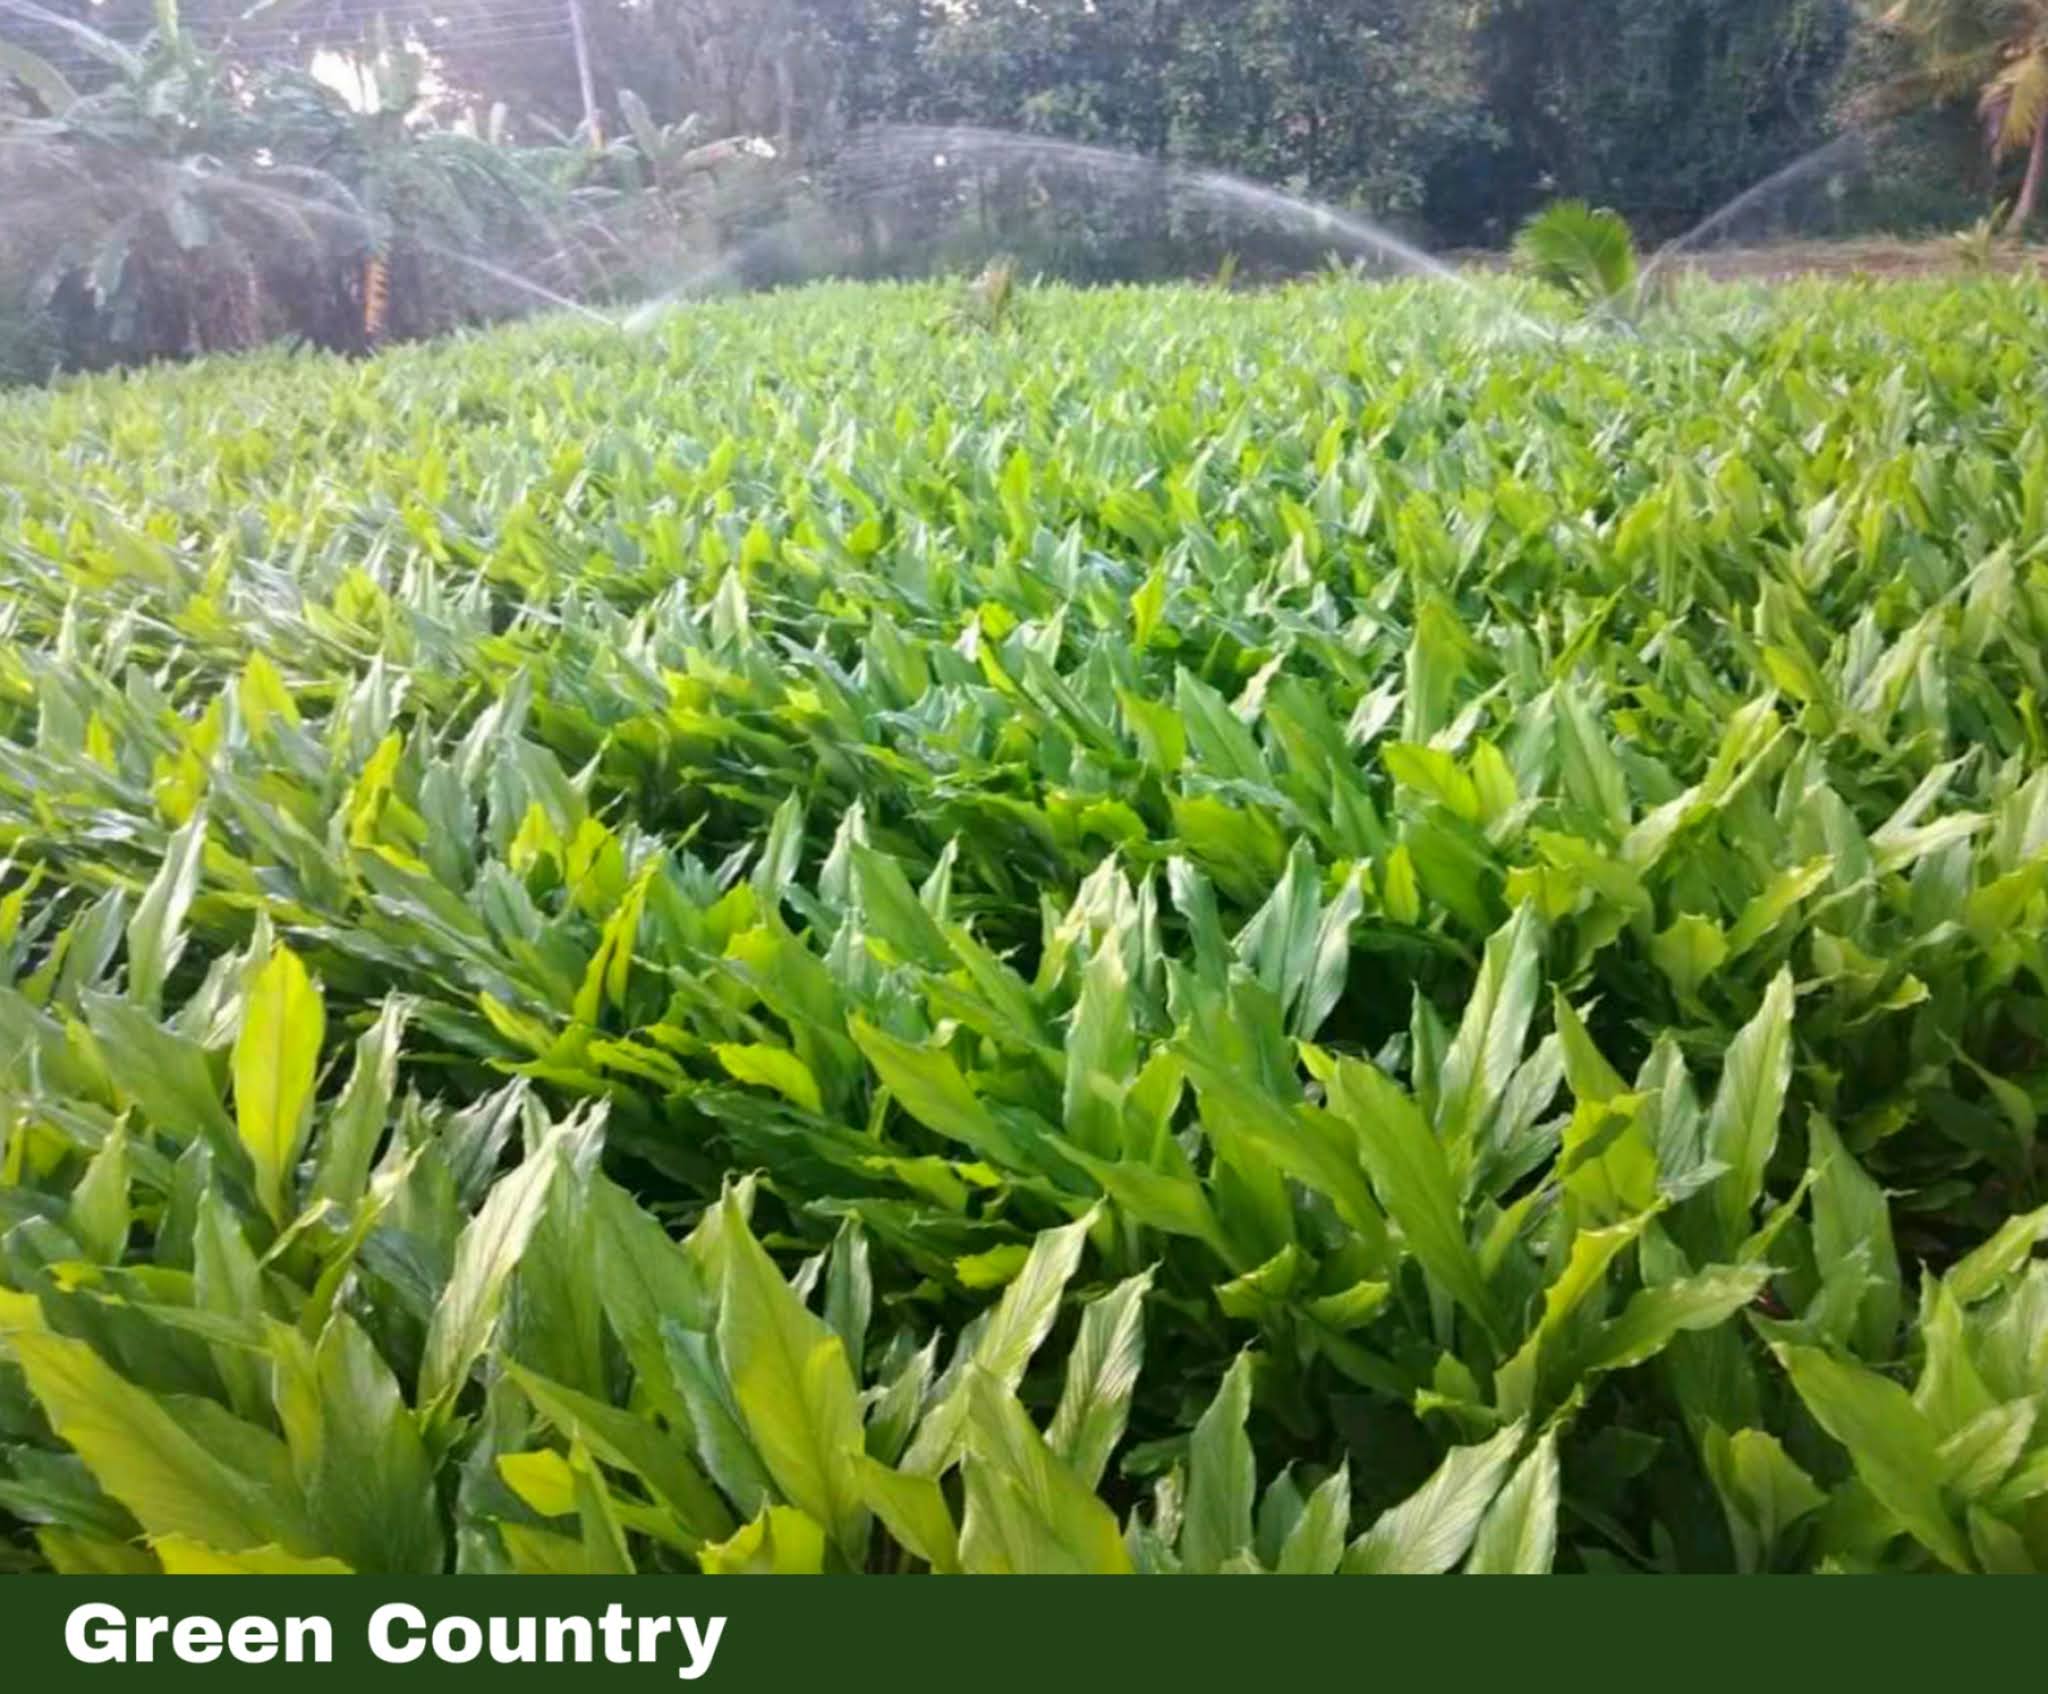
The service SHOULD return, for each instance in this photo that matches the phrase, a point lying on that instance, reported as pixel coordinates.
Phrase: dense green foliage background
(1457, 118)
(195, 188)
(1339, 928)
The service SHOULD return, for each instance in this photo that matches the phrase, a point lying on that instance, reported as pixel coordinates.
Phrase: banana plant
(157, 231)
(670, 154)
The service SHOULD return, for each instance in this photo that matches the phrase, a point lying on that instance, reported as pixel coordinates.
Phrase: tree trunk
(2030, 189)
(376, 298)
(785, 103)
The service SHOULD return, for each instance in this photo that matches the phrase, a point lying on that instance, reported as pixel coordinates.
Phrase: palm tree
(1996, 50)
(1589, 253)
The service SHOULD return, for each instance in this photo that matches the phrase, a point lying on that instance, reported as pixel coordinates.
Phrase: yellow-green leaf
(276, 1059)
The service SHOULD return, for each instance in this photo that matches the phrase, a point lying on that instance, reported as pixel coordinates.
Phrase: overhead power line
(541, 19)
(538, 30)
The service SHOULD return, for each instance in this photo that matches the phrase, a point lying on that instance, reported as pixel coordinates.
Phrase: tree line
(203, 182)
(1454, 117)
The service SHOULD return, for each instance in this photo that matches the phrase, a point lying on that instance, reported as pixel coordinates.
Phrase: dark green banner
(1065, 1636)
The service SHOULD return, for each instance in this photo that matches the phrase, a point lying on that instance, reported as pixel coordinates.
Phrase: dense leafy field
(1203, 933)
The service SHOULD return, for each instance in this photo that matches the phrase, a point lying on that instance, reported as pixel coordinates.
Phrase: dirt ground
(1884, 257)
(1853, 258)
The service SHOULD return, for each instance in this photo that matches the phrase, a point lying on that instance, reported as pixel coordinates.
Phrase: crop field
(1163, 931)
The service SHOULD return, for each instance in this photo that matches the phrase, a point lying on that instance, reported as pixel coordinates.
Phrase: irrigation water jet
(454, 255)
(1821, 159)
(892, 163)
(335, 206)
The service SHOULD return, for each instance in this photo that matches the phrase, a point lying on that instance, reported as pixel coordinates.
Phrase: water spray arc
(916, 183)
(887, 167)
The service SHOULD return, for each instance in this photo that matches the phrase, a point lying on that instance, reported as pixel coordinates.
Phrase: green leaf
(1238, 845)
(342, 1170)
(794, 1392)
(712, 1417)
(1266, 1140)
(914, 1511)
(1593, 1080)
(276, 1057)
(1763, 1491)
(171, 1481)
(1026, 1512)
(1430, 1531)
(1689, 952)
(1102, 1372)
(486, 1254)
(1434, 774)
(1573, 246)
(1224, 747)
(1488, 1046)
(1518, 1535)
(1020, 1323)
(1262, 1293)
(629, 1442)
(1329, 964)
(780, 1542)
(781, 853)
(1102, 1055)
(1350, 1308)
(182, 1556)
(894, 913)
(1654, 1315)
(1951, 1391)
(1171, 1200)
(1519, 1381)
(228, 1282)
(1979, 1456)
(1784, 891)
(643, 1277)
(2000, 1549)
(156, 933)
(1412, 1176)
(1221, 1481)
(100, 1214)
(39, 76)
(1742, 1123)
(1979, 1272)
(771, 1067)
(1158, 730)
(1148, 606)
(1891, 1444)
(850, 1293)
(605, 1552)
(1315, 1545)
(928, 1085)
(357, 1451)
(163, 1073)
(1850, 1212)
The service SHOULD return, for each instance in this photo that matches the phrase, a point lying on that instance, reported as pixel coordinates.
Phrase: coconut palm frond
(2015, 102)
(98, 44)
(1586, 251)
(46, 85)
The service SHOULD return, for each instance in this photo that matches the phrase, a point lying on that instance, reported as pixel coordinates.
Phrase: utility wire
(539, 18)
(292, 48)
(525, 13)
